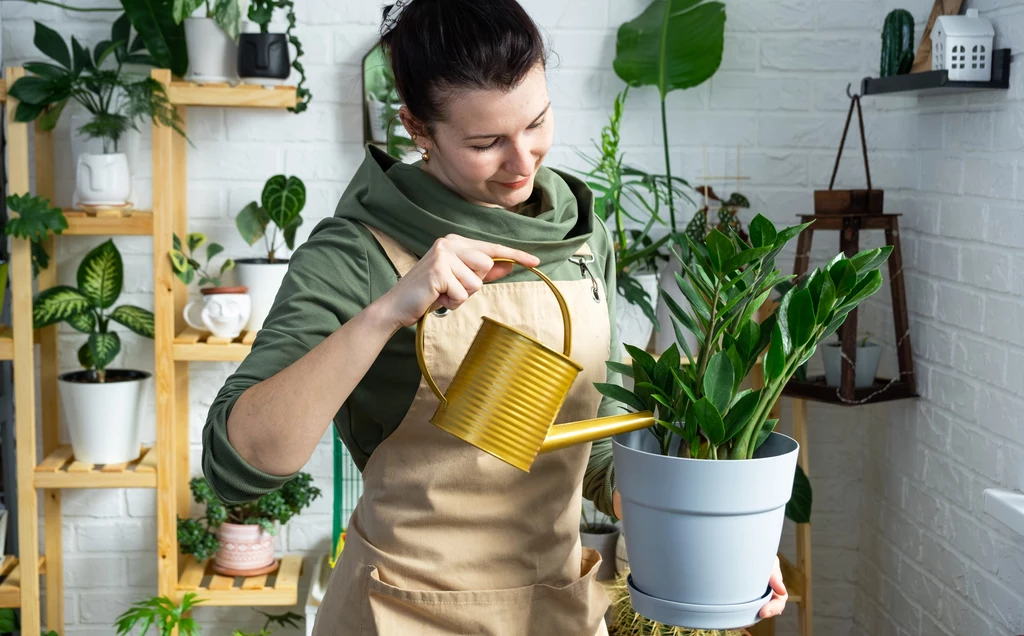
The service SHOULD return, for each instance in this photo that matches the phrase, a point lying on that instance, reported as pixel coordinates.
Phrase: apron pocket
(576, 609)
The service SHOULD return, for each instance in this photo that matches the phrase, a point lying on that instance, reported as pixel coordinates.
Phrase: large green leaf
(788, 234)
(32, 90)
(718, 381)
(164, 38)
(55, 304)
(775, 360)
(720, 250)
(823, 293)
(104, 347)
(747, 337)
(52, 45)
(620, 394)
(84, 322)
(740, 412)
(844, 276)
(798, 510)
(228, 16)
(283, 199)
(710, 420)
(101, 274)
(620, 368)
(762, 232)
(36, 217)
(800, 318)
(85, 357)
(871, 259)
(673, 44)
(864, 288)
(137, 319)
(252, 223)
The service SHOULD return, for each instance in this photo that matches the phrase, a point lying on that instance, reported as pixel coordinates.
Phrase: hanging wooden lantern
(833, 201)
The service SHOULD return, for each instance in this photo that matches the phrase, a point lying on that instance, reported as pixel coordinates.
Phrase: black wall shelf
(938, 82)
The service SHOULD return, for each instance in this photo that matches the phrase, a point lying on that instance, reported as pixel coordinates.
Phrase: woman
(445, 539)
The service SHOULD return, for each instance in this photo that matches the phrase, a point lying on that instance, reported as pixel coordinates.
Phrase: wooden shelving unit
(50, 466)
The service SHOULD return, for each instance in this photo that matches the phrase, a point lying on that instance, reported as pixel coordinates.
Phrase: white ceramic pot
(103, 418)
(664, 338)
(635, 328)
(244, 547)
(103, 179)
(223, 311)
(212, 54)
(865, 368)
(263, 280)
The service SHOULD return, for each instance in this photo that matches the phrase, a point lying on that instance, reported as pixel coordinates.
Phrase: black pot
(113, 375)
(263, 55)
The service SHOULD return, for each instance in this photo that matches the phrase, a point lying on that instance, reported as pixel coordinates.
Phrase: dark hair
(440, 45)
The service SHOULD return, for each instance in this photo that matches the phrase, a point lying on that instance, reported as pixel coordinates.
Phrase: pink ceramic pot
(244, 547)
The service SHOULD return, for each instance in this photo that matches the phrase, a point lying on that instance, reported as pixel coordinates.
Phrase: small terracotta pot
(244, 547)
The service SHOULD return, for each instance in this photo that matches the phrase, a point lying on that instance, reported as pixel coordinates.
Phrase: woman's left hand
(775, 606)
(777, 603)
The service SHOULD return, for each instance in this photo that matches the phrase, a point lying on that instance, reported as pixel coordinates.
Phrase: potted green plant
(103, 406)
(865, 367)
(36, 219)
(288, 619)
(162, 614)
(115, 100)
(700, 557)
(279, 209)
(224, 311)
(263, 57)
(240, 537)
(599, 532)
(210, 38)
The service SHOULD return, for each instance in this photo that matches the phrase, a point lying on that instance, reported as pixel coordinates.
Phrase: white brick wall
(900, 546)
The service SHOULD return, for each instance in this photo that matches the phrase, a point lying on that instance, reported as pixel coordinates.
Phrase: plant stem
(769, 395)
(668, 164)
(705, 350)
(61, 5)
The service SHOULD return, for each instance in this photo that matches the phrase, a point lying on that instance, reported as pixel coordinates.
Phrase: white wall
(900, 540)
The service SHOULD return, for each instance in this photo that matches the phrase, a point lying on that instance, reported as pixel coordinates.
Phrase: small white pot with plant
(275, 220)
(102, 406)
(223, 311)
(705, 491)
(865, 367)
(117, 101)
(211, 39)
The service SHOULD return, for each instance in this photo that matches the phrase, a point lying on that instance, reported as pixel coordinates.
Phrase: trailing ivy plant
(260, 12)
(226, 13)
(700, 410)
(281, 204)
(116, 99)
(162, 614)
(196, 536)
(187, 265)
(87, 308)
(36, 219)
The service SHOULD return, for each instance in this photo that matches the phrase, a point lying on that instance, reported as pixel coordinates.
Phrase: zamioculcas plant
(36, 219)
(700, 404)
(282, 201)
(87, 308)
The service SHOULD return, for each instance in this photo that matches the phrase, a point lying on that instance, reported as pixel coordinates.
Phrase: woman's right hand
(451, 271)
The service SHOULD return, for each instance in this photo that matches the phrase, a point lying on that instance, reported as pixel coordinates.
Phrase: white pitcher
(103, 179)
(223, 311)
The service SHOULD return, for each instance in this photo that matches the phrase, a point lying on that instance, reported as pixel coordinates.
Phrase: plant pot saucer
(694, 616)
(264, 570)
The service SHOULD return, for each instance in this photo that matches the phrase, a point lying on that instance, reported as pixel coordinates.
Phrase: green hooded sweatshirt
(341, 269)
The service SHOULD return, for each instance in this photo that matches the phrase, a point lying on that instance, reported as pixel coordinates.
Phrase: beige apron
(446, 539)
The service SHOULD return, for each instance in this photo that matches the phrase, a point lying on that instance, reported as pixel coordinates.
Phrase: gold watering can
(509, 389)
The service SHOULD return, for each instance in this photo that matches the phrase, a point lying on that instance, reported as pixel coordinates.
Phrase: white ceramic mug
(222, 313)
(103, 179)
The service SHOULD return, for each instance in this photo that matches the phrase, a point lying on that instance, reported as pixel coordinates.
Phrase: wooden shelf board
(60, 470)
(6, 343)
(201, 346)
(10, 581)
(109, 222)
(815, 389)
(242, 95)
(279, 588)
(796, 581)
(938, 82)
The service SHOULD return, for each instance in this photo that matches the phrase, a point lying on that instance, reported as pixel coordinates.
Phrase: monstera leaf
(283, 199)
(673, 44)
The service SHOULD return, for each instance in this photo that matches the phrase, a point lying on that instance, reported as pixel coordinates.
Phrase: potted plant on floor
(599, 532)
(279, 209)
(240, 537)
(865, 368)
(211, 39)
(263, 57)
(224, 311)
(700, 557)
(115, 99)
(102, 406)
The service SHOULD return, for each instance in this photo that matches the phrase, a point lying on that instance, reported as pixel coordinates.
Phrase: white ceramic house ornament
(962, 45)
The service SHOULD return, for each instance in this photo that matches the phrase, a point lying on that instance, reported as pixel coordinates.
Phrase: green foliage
(117, 100)
(160, 613)
(289, 619)
(196, 536)
(9, 623)
(226, 13)
(35, 221)
(100, 277)
(160, 34)
(699, 406)
(186, 264)
(261, 12)
(281, 204)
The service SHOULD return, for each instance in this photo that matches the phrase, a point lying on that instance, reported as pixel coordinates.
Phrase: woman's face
(492, 143)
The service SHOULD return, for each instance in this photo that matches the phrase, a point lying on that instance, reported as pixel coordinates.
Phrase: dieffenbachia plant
(87, 308)
(728, 279)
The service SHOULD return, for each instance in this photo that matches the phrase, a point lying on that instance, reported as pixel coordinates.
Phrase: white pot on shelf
(865, 367)
(103, 179)
(104, 418)
(212, 54)
(263, 280)
(635, 328)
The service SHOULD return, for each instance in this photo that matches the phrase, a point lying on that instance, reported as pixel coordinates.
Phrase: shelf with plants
(109, 223)
(10, 580)
(227, 96)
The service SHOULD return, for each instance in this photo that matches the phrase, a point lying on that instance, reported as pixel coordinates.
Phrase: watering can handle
(566, 322)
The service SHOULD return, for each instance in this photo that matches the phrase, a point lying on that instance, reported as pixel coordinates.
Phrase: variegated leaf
(104, 347)
(179, 261)
(283, 199)
(195, 241)
(56, 304)
(101, 275)
(137, 319)
(84, 322)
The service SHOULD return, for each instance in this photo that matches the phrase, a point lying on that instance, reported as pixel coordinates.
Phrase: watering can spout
(564, 435)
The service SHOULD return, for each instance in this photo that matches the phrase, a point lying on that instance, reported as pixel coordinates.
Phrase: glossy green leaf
(681, 383)
(710, 420)
(720, 250)
(718, 380)
(101, 275)
(782, 313)
(57, 303)
(104, 347)
(697, 302)
(798, 509)
(867, 286)
(290, 232)
(745, 257)
(825, 298)
(212, 250)
(35, 218)
(164, 38)
(52, 45)
(283, 199)
(32, 90)
(681, 341)
(252, 223)
(668, 361)
(81, 58)
(620, 368)
(844, 277)
(747, 336)
(739, 369)
(640, 356)
(740, 412)
(85, 357)
(84, 321)
(762, 435)
(620, 394)
(870, 259)
(137, 319)
(673, 44)
(788, 234)
(800, 318)
(775, 360)
(762, 232)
